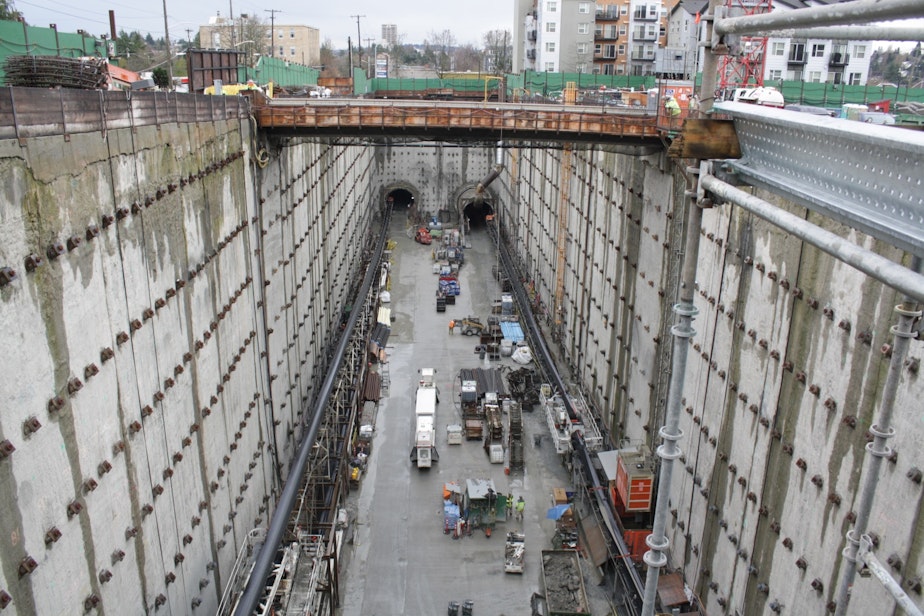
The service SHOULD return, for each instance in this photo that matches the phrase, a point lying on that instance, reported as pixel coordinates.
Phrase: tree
(467, 58)
(334, 63)
(439, 46)
(8, 12)
(161, 78)
(498, 51)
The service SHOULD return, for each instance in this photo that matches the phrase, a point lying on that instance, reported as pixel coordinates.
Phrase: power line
(272, 13)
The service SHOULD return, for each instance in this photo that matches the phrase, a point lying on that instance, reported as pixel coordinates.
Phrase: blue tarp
(557, 511)
(512, 331)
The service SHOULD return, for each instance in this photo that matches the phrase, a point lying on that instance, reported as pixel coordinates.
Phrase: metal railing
(40, 112)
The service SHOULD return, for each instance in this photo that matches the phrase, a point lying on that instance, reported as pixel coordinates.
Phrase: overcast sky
(415, 19)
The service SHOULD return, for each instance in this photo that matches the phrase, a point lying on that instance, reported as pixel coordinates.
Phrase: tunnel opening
(477, 214)
(399, 199)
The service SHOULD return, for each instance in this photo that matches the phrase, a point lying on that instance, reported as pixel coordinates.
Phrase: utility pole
(371, 64)
(231, 17)
(272, 13)
(359, 42)
(169, 51)
(188, 39)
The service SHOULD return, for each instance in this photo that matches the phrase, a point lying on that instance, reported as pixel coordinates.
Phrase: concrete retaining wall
(784, 378)
(160, 363)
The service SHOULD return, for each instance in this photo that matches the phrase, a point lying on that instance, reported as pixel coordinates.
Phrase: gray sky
(415, 19)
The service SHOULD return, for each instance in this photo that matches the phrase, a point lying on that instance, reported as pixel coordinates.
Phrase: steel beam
(847, 33)
(866, 176)
(829, 15)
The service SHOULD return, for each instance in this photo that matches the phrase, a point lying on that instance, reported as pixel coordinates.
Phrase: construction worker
(509, 504)
(671, 107)
(452, 325)
(521, 505)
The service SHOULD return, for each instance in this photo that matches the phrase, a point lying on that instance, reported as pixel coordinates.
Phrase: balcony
(641, 14)
(606, 36)
(797, 58)
(642, 34)
(608, 15)
(531, 54)
(643, 56)
(838, 59)
(531, 35)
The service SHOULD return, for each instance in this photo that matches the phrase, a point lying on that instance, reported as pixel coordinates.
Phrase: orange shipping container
(634, 484)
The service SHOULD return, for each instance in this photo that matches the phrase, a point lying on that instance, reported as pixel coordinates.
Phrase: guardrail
(40, 112)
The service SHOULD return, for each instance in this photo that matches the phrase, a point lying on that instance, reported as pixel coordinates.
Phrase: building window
(859, 51)
(608, 69)
(582, 48)
(550, 47)
(550, 26)
(621, 50)
(623, 28)
(282, 51)
(291, 51)
(779, 49)
(551, 7)
(280, 34)
(598, 30)
(855, 79)
(583, 28)
(598, 49)
(624, 9)
(818, 50)
(814, 77)
(584, 7)
(549, 67)
(775, 74)
(581, 67)
(609, 51)
(291, 33)
(620, 69)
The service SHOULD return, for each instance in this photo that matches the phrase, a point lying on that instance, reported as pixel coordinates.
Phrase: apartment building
(390, 34)
(294, 43)
(784, 59)
(554, 35)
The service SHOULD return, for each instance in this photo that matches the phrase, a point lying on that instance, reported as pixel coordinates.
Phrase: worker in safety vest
(671, 107)
(509, 504)
(521, 505)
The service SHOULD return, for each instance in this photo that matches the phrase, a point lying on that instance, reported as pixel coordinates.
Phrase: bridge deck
(456, 120)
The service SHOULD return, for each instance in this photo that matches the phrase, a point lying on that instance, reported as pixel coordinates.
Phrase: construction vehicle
(422, 236)
(514, 550)
(471, 326)
(424, 453)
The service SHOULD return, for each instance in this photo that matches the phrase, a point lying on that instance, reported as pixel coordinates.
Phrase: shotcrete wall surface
(175, 293)
(436, 174)
(783, 380)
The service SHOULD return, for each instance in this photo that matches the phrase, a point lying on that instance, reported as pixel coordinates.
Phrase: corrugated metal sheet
(384, 316)
(512, 331)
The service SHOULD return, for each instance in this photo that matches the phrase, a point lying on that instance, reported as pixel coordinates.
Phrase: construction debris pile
(56, 72)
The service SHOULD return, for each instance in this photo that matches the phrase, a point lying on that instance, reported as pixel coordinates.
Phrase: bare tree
(245, 33)
(467, 58)
(440, 45)
(498, 51)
